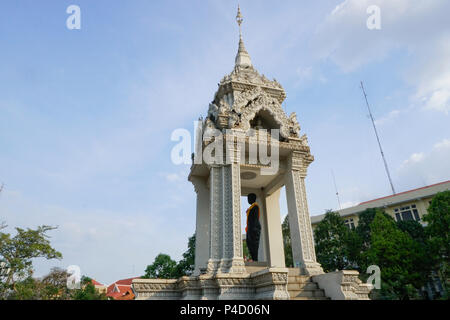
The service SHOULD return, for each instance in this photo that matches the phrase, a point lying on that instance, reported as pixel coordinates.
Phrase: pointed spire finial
(239, 20)
(242, 58)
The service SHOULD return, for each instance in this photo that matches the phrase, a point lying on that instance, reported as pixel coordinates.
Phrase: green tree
(50, 287)
(162, 268)
(88, 291)
(26, 289)
(245, 250)
(414, 229)
(186, 265)
(331, 236)
(354, 245)
(437, 232)
(17, 253)
(365, 219)
(287, 243)
(165, 268)
(54, 285)
(362, 240)
(424, 258)
(397, 255)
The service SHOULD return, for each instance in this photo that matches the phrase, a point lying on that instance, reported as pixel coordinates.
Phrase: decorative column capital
(296, 162)
(200, 184)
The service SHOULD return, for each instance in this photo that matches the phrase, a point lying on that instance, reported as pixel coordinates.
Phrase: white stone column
(274, 231)
(303, 250)
(216, 215)
(232, 257)
(203, 226)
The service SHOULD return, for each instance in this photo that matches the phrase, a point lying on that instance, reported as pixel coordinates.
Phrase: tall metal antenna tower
(378, 139)
(335, 187)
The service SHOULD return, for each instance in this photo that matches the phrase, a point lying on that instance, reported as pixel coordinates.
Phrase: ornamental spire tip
(239, 20)
(242, 58)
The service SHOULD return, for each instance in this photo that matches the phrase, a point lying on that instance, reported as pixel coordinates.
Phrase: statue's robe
(253, 230)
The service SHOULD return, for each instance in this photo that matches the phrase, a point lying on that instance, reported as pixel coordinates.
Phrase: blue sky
(86, 115)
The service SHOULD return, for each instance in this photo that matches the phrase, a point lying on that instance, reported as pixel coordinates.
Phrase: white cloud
(304, 73)
(419, 28)
(431, 73)
(439, 100)
(414, 158)
(424, 168)
(180, 176)
(349, 204)
(345, 39)
(442, 145)
(389, 117)
(172, 177)
(307, 74)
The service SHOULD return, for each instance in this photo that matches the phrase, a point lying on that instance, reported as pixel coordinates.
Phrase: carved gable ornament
(249, 103)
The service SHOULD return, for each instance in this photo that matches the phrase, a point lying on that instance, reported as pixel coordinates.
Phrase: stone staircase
(303, 288)
(299, 287)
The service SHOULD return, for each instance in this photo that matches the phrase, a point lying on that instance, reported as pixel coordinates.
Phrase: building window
(416, 215)
(407, 213)
(350, 224)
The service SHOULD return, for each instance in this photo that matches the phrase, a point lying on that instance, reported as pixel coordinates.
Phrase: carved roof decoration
(244, 92)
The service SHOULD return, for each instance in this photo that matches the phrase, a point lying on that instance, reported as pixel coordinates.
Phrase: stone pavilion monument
(245, 117)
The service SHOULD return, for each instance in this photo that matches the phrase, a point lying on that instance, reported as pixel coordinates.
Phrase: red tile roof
(96, 283)
(123, 289)
(128, 295)
(110, 288)
(397, 194)
(114, 295)
(120, 288)
(126, 281)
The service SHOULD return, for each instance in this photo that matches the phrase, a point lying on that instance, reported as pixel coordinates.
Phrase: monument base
(266, 284)
(258, 283)
(311, 268)
(343, 285)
